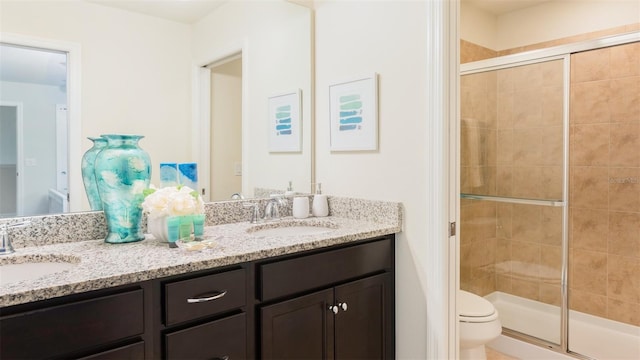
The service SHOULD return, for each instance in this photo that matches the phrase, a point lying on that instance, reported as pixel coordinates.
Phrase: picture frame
(353, 108)
(285, 123)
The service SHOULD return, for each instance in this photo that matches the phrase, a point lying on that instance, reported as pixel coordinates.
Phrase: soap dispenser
(289, 191)
(320, 206)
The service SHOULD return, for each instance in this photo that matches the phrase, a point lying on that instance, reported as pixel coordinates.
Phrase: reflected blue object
(188, 175)
(89, 174)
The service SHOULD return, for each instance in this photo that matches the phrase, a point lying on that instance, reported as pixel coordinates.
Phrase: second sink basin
(28, 268)
(293, 227)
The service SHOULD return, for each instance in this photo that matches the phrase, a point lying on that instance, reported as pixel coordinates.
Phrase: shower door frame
(561, 52)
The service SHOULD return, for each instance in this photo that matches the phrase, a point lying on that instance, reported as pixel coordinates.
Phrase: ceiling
(499, 7)
(184, 11)
(23, 64)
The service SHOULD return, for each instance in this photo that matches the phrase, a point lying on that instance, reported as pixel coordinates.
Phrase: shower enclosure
(550, 203)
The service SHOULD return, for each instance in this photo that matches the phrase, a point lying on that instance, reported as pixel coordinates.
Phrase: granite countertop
(101, 265)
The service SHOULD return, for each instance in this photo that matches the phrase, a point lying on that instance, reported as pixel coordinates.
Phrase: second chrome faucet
(271, 209)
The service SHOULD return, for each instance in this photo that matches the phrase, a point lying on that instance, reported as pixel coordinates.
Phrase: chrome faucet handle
(272, 209)
(254, 216)
(5, 241)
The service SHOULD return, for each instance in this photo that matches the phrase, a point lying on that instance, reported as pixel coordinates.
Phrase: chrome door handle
(334, 309)
(207, 297)
(343, 306)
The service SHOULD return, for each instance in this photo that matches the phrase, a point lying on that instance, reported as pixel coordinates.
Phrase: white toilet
(479, 324)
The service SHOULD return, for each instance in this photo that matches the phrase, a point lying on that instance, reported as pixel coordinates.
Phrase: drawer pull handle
(208, 297)
(226, 357)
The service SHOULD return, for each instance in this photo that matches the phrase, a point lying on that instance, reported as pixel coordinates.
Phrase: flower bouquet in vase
(174, 213)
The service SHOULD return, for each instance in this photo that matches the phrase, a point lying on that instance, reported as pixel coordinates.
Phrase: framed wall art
(354, 114)
(285, 129)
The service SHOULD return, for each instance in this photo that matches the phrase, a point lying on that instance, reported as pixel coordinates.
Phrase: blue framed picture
(285, 130)
(354, 114)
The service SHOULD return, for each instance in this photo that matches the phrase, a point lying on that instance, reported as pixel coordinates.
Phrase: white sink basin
(27, 268)
(293, 228)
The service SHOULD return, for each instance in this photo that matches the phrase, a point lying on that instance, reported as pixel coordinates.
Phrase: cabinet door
(301, 328)
(364, 324)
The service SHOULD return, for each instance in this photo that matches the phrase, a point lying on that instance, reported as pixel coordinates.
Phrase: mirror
(139, 74)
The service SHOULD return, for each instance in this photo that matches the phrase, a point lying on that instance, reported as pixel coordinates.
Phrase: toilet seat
(475, 309)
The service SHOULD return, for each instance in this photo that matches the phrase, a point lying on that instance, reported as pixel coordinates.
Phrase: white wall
(478, 26)
(276, 36)
(136, 74)
(390, 38)
(39, 129)
(548, 21)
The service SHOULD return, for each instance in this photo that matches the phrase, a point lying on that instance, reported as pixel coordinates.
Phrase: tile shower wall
(604, 192)
(511, 145)
(516, 248)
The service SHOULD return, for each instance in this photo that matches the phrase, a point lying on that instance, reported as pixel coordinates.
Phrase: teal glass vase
(123, 171)
(89, 174)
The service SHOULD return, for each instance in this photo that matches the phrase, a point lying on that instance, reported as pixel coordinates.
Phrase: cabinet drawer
(58, 330)
(128, 352)
(205, 295)
(220, 339)
(309, 272)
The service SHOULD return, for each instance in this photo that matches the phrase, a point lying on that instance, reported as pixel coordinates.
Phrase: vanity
(252, 295)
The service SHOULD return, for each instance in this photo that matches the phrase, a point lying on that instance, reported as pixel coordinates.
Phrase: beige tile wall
(512, 125)
(604, 275)
(503, 244)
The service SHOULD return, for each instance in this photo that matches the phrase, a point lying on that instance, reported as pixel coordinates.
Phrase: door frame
(19, 153)
(201, 105)
(74, 82)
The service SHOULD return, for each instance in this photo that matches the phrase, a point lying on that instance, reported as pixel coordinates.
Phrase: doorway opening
(34, 154)
(225, 140)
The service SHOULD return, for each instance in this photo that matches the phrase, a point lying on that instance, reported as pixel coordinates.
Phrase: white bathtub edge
(524, 351)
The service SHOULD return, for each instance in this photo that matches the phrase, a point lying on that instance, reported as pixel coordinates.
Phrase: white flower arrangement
(172, 201)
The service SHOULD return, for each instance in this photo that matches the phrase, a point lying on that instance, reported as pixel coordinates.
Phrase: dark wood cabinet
(350, 321)
(331, 303)
(204, 316)
(351, 318)
(364, 322)
(73, 326)
(300, 328)
(220, 339)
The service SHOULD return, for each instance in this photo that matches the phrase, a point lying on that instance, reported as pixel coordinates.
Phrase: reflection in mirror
(226, 129)
(138, 77)
(33, 128)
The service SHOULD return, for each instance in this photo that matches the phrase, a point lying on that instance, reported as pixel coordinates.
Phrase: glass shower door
(513, 177)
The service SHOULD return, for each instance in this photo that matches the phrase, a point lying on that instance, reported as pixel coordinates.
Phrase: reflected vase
(123, 171)
(88, 172)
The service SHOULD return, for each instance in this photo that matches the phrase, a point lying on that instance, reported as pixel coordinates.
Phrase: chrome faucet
(272, 209)
(254, 215)
(5, 241)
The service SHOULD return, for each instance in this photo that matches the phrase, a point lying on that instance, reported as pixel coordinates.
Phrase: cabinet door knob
(343, 306)
(334, 309)
(207, 297)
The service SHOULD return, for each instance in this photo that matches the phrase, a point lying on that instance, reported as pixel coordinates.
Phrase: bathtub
(589, 335)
